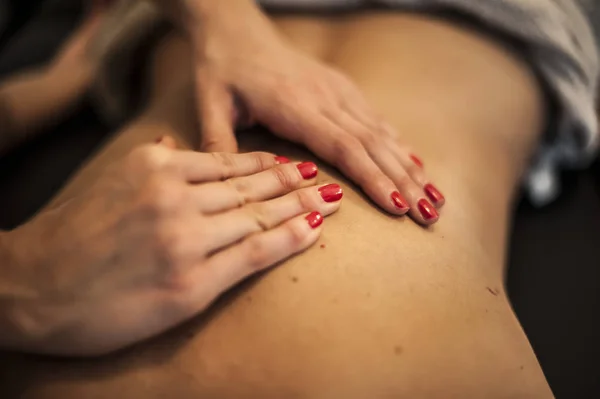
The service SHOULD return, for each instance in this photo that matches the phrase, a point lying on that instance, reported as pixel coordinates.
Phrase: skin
(239, 54)
(380, 307)
(158, 234)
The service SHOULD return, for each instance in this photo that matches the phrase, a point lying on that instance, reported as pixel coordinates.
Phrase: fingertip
(426, 213)
(400, 204)
(436, 197)
(314, 219)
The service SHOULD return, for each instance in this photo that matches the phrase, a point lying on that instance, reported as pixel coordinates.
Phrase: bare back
(380, 307)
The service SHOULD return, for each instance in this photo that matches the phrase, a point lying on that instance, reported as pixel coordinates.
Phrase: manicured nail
(433, 194)
(308, 170)
(159, 139)
(416, 160)
(399, 201)
(315, 219)
(331, 193)
(427, 210)
(281, 160)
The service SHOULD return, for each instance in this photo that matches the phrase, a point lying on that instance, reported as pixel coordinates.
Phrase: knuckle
(263, 160)
(149, 158)
(226, 162)
(169, 244)
(258, 213)
(286, 180)
(415, 172)
(295, 237)
(241, 189)
(162, 195)
(174, 252)
(258, 253)
(389, 131)
(403, 180)
(307, 200)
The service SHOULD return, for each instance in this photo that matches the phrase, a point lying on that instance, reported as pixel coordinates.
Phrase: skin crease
(407, 312)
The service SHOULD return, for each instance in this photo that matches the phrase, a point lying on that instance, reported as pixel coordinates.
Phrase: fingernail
(331, 193)
(433, 194)
(281, 160)
(399, 201)
(308, 170)
(315, 219)
(159, 139)
(416, 160)
(427, 210)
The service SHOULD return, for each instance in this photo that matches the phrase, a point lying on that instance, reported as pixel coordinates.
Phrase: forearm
(31, 100)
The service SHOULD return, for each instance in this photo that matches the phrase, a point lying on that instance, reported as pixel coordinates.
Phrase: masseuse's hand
(155, 241)
(239, 54)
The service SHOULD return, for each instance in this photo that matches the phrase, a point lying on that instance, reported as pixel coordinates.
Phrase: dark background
(554, 274)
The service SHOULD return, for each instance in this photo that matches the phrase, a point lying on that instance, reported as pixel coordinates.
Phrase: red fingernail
(399, 201)
(427, 210)
(315, 219)
(308, 170)
(331, 192)
(433, 194)
(416, 160)
(159, 139)
(281, 160)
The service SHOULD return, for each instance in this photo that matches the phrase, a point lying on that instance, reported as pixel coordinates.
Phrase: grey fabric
(559, 44)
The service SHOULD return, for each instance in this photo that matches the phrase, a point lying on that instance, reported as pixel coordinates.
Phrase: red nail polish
(331, 192)
(433, 194)
(308, 170)
(416, 160)
(315, 219)
(427, 210)
(399, 201)
(281, 160)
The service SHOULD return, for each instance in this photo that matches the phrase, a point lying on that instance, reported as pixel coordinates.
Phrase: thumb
(216, 110)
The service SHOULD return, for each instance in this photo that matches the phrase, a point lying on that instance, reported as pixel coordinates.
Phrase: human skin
(381, 307)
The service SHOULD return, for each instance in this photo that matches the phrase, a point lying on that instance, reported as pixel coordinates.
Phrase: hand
(158, 238)
(302, 100)
(72, 62)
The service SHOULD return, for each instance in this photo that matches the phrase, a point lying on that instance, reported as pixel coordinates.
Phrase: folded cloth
(558, 42)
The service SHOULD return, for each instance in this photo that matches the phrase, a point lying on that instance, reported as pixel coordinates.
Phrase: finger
(232, 226)
(336, 146)
(414, 167)
(216, 110)
(271, 183)
(198, 167)
(254, 254)
(381, 150)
